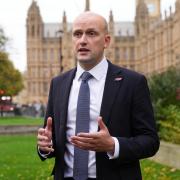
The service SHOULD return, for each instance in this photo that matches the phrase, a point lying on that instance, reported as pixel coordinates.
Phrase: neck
(88, 65)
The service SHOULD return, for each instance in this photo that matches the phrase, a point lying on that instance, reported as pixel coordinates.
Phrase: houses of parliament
(149, 45)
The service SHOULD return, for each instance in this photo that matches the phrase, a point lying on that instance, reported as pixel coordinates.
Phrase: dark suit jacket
(127, 112)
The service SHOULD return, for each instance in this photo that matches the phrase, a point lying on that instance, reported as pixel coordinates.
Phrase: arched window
(32, 31)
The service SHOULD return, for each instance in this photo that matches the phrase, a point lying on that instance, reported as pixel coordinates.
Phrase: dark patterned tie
(80, 171)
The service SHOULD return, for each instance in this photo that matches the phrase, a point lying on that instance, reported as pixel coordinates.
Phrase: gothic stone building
(148, 45)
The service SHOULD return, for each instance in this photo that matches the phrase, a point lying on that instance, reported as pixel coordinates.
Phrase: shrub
(163, 88)
(169, 125)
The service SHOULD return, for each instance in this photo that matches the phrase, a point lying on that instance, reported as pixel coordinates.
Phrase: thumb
(49, 124)
(102, 126)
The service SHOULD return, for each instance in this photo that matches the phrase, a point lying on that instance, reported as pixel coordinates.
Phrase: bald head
(90, 37)
(91, 16)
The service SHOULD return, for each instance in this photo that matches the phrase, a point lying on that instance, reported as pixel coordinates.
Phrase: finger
(82, 139)
(41, 131)
(44, 144)
(42, 138)
(88, 135)
(102, 126)
(46, 149)
(83, 145)
(49, 124)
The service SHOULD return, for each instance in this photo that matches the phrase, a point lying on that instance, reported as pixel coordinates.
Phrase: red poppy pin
(118, 79)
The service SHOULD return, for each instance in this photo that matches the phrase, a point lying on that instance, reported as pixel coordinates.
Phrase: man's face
(89, 40)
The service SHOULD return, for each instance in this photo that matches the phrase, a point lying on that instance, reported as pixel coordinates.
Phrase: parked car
(6, 104)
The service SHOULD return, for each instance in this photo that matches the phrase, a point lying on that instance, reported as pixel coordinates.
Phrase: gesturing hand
(44, 137)
(100, 141)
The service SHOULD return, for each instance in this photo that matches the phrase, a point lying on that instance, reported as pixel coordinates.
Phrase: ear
(107, 40)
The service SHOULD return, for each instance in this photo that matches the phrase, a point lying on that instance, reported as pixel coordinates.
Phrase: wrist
(112, 146)
(115, 153)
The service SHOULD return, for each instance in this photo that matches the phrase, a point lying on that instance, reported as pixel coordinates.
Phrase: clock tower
(154, 8)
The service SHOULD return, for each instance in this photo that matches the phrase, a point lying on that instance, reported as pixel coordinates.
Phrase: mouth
(83, 50)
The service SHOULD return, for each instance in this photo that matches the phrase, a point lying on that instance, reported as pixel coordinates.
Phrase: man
(121, 122)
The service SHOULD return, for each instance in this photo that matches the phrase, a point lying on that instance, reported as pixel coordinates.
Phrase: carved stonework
(143, 45)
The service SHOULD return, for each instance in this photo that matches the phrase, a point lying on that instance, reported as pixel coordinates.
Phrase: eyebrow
(89, 29)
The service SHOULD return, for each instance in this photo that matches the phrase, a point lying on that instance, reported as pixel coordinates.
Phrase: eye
(77, 34)
(91, 33)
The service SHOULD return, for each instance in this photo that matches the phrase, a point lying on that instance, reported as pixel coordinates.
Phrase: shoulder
(64, 76)
(130, 74)
(131, 79)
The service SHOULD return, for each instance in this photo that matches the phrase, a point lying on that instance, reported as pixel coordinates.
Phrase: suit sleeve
(49, 113)
(144, 142)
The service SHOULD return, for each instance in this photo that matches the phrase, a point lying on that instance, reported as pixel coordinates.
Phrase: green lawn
(20, 121)
(155, 171)
(18, 161)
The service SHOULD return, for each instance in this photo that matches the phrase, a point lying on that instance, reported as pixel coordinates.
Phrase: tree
(3, 40)
(11, 82)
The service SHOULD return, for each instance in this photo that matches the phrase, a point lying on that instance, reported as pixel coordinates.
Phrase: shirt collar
(97, 72)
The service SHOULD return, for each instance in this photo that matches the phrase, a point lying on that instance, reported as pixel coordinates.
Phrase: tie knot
(86, 76)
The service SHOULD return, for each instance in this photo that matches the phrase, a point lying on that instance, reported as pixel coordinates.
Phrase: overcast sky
(13, 15)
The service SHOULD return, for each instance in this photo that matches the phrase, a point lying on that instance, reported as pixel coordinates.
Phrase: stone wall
(168, 154)
(28, 129)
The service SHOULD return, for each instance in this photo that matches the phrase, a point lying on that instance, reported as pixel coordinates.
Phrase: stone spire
(87, 6)
(64, 22)
(111, 23)
(142, 18)
(34, 21)
(64, 17)
(34, 8)
(111, 18)
(110, 50)
(141, 10)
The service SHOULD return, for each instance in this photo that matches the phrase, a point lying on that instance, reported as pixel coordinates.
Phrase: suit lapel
(112, 84)
(61, 104)
(64, 98)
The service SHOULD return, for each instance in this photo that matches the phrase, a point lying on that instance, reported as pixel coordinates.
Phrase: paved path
(24, 129)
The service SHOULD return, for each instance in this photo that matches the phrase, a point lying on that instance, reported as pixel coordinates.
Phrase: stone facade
(148, 45)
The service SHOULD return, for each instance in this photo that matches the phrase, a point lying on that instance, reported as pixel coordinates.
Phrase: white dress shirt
(96, 86)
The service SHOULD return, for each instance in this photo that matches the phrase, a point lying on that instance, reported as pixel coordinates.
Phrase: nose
(83, 39)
